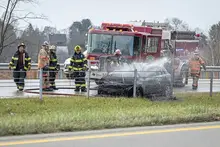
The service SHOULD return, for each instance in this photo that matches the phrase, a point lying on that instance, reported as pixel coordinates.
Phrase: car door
(158, 80)
(152, 82)
(165, 78)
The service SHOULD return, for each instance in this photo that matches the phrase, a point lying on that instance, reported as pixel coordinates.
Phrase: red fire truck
(127, 38)
(184, 44)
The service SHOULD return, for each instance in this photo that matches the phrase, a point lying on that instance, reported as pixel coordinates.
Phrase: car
(106, 65)
(151, 81)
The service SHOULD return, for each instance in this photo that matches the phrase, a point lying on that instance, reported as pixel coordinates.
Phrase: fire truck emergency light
(198, 35)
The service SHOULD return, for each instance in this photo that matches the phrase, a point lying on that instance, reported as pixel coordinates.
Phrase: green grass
(28, 116)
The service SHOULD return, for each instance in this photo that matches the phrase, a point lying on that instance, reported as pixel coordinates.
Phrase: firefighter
(195, 64)
(54, 67)
(120, 60)
(118, 55)
(78, 64)
(20, 63)
(43, 63)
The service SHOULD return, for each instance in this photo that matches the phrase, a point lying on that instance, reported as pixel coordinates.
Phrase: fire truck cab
(135, 45)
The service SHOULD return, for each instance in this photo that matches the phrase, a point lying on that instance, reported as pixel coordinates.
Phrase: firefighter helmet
(45, 43)
(196, 52)
(77, 48)
(22, 44)
(118, 52)
(52, 47)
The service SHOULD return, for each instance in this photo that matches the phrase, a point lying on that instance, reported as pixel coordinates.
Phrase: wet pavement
(8, 88)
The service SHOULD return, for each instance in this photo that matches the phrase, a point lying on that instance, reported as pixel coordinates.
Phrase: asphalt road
(8, 89)
(188, 135)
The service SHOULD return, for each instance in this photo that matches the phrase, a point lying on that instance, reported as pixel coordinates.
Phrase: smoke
(143, 68)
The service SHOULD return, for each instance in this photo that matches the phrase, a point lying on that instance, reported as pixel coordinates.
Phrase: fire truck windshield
(124, 43)
(99, 43)
(107, 44)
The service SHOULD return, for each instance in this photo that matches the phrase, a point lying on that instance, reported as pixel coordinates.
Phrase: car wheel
(168, 92)
(182, 80)
(139, 92)
(99, 92)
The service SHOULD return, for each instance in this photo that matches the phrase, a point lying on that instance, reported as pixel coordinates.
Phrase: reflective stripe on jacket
(14, 63)
(77, 62)
(53, 61)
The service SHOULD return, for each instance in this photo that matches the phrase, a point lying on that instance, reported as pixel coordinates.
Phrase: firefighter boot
(53, 86)
(20, 88)
(83, 89)
(77, 89)
(194, 87)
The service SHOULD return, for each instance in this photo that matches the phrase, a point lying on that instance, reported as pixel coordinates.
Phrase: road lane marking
(108, 135)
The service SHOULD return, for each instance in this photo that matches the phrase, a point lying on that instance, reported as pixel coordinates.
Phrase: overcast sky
(61, 13)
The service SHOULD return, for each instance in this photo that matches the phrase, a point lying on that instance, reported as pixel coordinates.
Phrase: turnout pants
(19, 76)
(52, 78)
(195, 78)
(80, 81)
(46, 82)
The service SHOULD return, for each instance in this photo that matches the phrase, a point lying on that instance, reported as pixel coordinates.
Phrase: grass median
(30, 116)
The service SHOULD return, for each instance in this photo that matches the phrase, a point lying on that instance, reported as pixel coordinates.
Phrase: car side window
(154, 72)
(159, 71)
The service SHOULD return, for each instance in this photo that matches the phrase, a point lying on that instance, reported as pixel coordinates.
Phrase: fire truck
(184, 44)
(135, 45)
(125, 37)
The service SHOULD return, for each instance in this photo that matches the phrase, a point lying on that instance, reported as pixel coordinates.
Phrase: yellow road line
(108, 135)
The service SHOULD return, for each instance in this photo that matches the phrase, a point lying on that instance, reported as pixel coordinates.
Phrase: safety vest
(53, 61)
(77, 62)
(195, 65)
(26, 61)
(43, 58)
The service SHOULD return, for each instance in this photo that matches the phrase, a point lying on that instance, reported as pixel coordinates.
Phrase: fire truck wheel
(182, 80)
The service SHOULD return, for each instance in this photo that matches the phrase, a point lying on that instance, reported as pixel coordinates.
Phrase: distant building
(58, 39)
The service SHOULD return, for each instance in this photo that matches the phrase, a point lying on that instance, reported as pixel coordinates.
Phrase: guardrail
(4, 66)
(211, 72)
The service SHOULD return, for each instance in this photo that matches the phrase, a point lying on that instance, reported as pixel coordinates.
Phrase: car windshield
(107, 44)
(142, 72)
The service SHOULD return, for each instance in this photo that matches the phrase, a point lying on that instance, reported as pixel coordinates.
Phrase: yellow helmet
(77, 48)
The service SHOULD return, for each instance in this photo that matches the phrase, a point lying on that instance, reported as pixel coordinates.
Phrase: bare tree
(177, 24)
(10, 19)
(214, 36)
